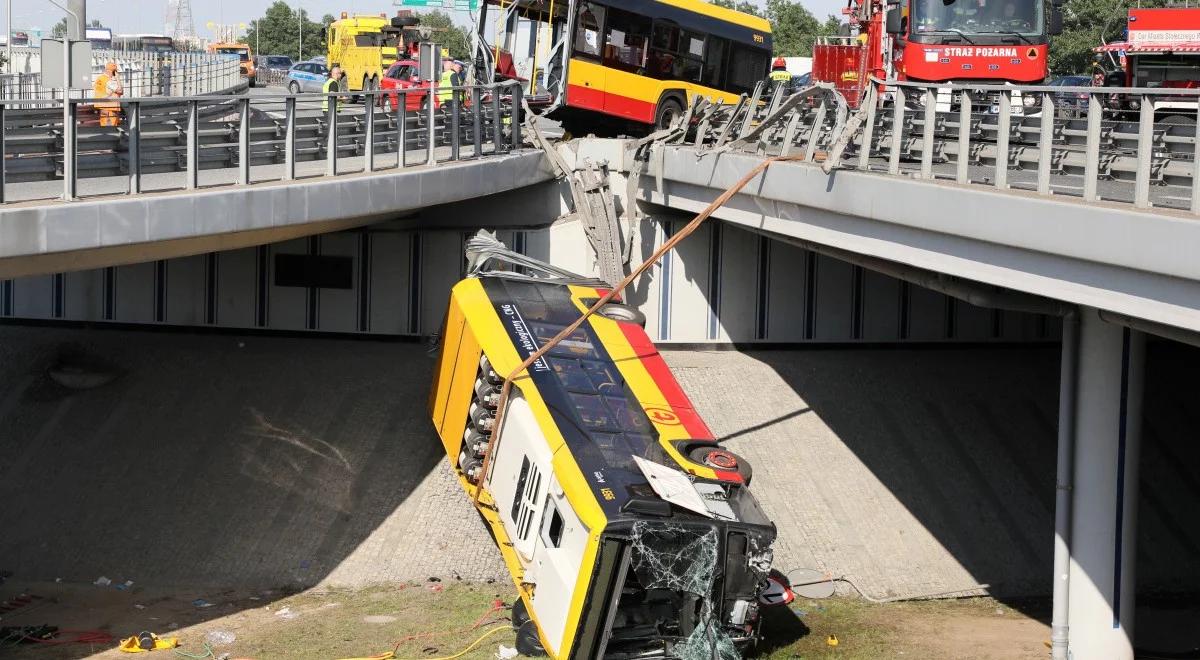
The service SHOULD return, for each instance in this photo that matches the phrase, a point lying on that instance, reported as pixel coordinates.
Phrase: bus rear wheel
(668, 111)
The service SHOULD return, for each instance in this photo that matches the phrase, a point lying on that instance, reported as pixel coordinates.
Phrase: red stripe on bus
(587, 98)
(662, 376)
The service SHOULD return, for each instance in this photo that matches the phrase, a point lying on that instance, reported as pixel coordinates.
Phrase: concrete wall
(724, 284)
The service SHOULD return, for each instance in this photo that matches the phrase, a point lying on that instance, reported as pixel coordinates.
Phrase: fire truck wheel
(668, 111)
(722, 459)
(520, 615)
(528, 642)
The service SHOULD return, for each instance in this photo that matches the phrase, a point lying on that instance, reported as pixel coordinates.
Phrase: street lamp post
(300, 15)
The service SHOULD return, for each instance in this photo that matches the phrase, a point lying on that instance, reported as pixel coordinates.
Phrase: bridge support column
(1108, 411)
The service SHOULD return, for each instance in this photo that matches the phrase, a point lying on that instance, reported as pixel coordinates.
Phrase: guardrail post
(897, 130)
(1091, 157)
(135, 147)
(331, 134)
(927, 133)
(369, 115)
(810, 149)
(1145, 152)
(69, 148)
(515, 115)
(289, 139)
(751, 109)
(789, 135)
(496, 137)
(868, 134)
(961, 173)
(1196, 164)
(477, 119)
(430, 129)
(193, 145)
(455, 122)
(1045, 144)
(1002, 138)
(3, 160)
(402, 128)
(244, 142)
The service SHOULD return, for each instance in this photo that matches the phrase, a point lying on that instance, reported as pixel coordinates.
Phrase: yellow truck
(245, 57)
(364, 46)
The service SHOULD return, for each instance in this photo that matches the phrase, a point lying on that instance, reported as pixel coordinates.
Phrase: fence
(245, 139)
(142, 73)
(1128, 145)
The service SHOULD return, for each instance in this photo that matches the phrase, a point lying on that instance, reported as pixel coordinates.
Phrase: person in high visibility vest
(779, 72)
(451, 77)
(108, 86)
(333, 84)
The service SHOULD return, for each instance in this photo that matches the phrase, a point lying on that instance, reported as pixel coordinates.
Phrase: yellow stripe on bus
(582, 73)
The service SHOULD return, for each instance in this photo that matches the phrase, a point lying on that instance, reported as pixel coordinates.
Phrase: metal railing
(1139, 146)
(142, 73)
(166, 143)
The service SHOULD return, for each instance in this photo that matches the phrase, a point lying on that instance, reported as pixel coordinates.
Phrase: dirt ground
(436, 619)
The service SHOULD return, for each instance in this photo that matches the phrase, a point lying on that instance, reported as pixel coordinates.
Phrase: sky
(147, 16)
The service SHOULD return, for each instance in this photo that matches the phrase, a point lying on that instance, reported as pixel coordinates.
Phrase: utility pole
(300, 14)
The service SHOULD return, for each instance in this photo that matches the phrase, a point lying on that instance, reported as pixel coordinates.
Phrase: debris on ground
(220, 637)
(146, 641)
(505, 653)
(286, 613)
(102, 581)
(200, 602)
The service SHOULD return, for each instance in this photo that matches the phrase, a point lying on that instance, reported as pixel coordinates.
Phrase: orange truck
(245, 57)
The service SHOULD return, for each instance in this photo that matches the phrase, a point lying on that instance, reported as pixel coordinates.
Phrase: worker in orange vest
(108, 86)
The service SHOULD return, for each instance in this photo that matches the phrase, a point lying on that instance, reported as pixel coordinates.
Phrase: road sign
(52, 64)
(449, 5)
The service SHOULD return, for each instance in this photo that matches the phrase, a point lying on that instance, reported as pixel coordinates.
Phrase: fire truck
(365, 45)
(986, 42)
(1161, 51)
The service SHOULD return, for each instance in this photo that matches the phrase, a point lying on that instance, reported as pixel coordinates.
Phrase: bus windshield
(971, 17)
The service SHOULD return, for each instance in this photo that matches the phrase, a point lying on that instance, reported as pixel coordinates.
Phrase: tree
(278, 32)
(448, 35)
(794, 27)
(60, 28)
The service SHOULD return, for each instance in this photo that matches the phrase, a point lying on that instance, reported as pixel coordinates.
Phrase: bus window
(552, 526)
(746, 68)
(714, 62)
(587, 36)
(625, 45)
(678, 54)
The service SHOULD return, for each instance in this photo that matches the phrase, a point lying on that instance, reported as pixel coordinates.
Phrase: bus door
(586, 79)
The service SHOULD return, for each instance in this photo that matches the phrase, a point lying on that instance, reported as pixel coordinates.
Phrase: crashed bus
(629, 532)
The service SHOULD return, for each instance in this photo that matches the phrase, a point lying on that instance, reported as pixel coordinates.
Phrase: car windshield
(977, 16)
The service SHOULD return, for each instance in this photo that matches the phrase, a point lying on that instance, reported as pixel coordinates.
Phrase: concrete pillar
(1108, 412)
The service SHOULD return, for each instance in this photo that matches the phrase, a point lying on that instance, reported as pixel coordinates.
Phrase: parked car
(275, 62)
(1071, 103)
(306, 77)
(403, 75)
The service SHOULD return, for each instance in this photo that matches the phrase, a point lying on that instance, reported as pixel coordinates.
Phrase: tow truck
(244, 54)
(365, 46)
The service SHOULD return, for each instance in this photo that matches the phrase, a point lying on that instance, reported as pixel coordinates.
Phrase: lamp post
(300, 15)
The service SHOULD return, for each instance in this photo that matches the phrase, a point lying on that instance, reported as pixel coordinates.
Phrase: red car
(403, 75)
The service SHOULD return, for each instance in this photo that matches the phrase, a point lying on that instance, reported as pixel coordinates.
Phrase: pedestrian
(333, 85)
(108, 86)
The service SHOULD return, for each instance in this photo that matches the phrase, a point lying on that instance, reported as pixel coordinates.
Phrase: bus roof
(722, 13)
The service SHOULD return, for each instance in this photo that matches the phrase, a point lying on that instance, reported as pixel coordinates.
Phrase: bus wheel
(528, 642)
(722, 459)
(520, 615)
(668, 111)
(622, 312)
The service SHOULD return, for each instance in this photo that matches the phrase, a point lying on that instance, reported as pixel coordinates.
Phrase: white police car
(307, 77)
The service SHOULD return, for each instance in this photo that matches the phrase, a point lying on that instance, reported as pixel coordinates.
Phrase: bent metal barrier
(1127, 145)
(253, 138)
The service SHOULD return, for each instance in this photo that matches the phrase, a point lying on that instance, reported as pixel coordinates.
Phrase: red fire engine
(1161, 50)
(956, 41)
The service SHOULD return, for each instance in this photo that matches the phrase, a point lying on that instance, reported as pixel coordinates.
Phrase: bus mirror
(895, 21)
(1055, 26)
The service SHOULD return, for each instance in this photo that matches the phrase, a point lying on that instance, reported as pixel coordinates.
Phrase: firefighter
(779, 73)
(333, 84)
(108, 86)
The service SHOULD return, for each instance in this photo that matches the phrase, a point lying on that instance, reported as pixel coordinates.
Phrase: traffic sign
(449, 5)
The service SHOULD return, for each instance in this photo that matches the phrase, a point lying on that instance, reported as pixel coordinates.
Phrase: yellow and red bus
(628, 530)
(637, 60)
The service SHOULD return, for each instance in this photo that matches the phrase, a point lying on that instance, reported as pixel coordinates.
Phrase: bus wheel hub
(721, 459)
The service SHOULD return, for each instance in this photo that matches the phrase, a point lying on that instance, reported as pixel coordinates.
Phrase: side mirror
(1054, 26)
(895, 21)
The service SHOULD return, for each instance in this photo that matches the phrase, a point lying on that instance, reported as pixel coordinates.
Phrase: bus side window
(625, 40)
(714, 62)
(552, 525)
(587, 34)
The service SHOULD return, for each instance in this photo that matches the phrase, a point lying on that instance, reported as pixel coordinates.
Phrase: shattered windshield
(977, 17)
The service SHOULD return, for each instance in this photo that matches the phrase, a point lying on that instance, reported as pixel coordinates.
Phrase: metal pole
(244, 143)
(289, 139)
(3, 161)
(369, 112)
(430, 117)
(135, 148)
(496, 120)
(331, 141)
(193, 145)
(927, 133)
(477, 120)
(864, 149)
(1002, 136)
(1196, 165)
(455, 124)
(897, 129)
(515, 115)
(1063, 481)
(961, 173)
(8, 41)
(1091, 158)
(1045, 142)
(402, 128)
(1145, 145)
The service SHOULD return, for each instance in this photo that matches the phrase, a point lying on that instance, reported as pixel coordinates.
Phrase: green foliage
(794, 27)
(447, 34)
(277, 32)
(60, 28)
(1087, 24)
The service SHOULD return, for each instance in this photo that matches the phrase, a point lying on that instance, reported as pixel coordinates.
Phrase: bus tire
(704, 455)
(624, 313)
(669, 109)
(528, 642)
(520, 614)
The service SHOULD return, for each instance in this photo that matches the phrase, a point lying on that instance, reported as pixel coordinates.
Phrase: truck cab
(245, 58)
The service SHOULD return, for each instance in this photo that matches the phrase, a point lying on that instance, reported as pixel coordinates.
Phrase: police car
(307, 76)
